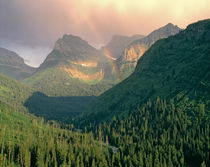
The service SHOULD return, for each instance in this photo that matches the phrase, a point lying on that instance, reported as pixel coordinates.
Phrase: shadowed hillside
(176, 67)
(57, 108)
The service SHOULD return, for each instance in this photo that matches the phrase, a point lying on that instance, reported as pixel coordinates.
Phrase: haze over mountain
(131, 54)
(75, 68)
(13, 65)
(39, 26)
(118, 43)
(173, 68)
(98, 95)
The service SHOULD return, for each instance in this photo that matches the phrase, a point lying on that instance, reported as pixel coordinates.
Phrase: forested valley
(157, 117)
(157, 134)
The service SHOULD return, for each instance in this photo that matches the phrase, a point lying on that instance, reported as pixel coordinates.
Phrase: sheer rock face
(13, 65)
(131, 54)
(118, 43)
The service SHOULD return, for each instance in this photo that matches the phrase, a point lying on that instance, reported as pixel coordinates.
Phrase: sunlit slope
(73, 68)
(13, 93)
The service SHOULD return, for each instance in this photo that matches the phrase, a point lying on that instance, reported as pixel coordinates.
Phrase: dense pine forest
(156, 134)
(27, 141)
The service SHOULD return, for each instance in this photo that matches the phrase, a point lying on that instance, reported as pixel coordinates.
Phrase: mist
(29, 24)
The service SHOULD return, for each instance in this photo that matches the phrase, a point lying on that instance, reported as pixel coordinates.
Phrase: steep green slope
(176, 67)
(13, 93)
(159, 134)
(27, 141)
(13, 65)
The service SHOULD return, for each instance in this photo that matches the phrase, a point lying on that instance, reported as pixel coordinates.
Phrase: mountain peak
(69, 42)
(12, 65)
(170, 25)
(167, 30)
(68, 37)
(10, 56)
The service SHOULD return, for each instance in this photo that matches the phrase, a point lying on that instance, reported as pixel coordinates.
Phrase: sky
(31, 27)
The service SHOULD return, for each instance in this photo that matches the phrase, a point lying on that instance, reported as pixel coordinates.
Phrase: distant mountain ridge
(176, 68)
(13, 65)
(75, 68)
(131, 54)
(118, 43)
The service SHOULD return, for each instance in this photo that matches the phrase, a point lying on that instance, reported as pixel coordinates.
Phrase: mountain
(131, 54)
(13, 65)
(72, 51)
(175, 68)
(73, 68)
(118, 43)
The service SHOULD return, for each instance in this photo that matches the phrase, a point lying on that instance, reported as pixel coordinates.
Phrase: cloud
(39, 23)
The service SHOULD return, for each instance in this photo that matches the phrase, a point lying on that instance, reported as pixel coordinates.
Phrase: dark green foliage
(159, 134)
(27, 141)
(57, 108)
(176, 67)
